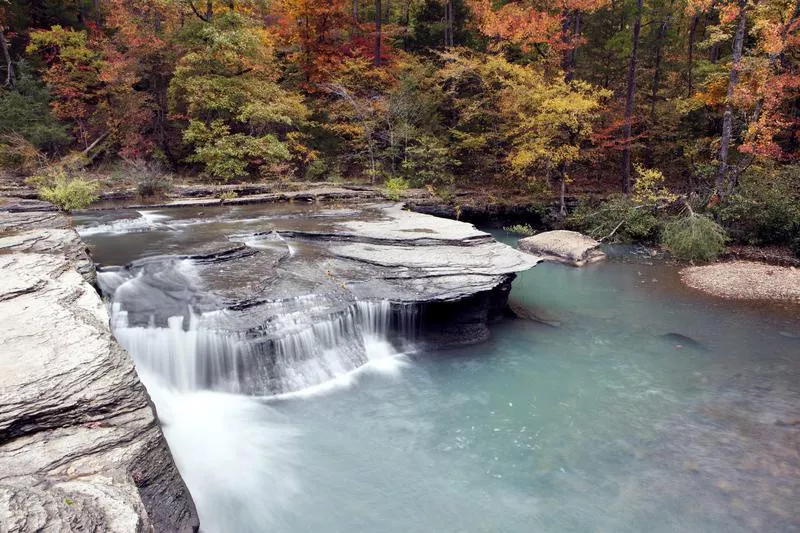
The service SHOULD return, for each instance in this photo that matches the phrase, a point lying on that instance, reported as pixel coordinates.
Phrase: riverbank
(482, 207)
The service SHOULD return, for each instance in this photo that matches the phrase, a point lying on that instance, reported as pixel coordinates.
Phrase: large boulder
(562, 246)
(80, 444)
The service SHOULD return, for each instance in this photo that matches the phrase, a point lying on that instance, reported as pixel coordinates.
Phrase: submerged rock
(679, 340)
(80, 445)
(562, 246)
(528, 312)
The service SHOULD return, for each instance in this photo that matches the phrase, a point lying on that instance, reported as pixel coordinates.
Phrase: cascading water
(210, 370)
(309, 342)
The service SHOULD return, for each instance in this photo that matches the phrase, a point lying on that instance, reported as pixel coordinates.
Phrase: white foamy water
(303, 343)
(148, 221)
(227, 447)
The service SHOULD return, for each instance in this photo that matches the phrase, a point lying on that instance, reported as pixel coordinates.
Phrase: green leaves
(64, 191)
(229, 155)
(694, 238)
(225, 86)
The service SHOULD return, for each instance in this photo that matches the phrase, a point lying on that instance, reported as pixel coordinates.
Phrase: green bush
(65, 192)
(521, 229)
(618, 219)
(765, 209)
(694, 238)
(395, 187)
(226, 196)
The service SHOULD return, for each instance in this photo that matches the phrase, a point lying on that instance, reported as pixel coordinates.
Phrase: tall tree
(314, 33)
(449, 25)
(630, 92)
(378, 36)
(690, 52)
(727, 117)
(10, 77)
(237, 117)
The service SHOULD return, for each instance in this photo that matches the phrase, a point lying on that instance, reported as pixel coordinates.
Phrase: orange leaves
(542, 26)
(317, 30)
(774, 121)
(517, 23)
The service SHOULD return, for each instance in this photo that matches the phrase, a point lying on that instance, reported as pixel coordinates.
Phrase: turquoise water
(599, 425)
(602, 424)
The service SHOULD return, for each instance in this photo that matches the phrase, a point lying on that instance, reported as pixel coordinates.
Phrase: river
(647, 408)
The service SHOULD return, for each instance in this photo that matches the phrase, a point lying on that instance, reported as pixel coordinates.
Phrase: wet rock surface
(262, 275)
(80, 445)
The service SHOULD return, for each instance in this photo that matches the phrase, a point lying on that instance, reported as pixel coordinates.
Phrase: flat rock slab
(745, 280)
(242, 268)
(80, 446)
(562, 246)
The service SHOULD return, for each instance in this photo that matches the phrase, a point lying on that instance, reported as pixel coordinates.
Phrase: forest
(636, 119)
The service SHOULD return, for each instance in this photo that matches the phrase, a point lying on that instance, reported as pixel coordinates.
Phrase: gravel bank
(745, 280)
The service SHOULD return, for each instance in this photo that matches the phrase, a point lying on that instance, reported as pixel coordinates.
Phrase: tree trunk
(562, 193)
(570, 29)
(378, 21)
(209, 10)
(576, 32)
(566, 55)
(654, 87)
(662, 30)
(690, 58)
(629, 96)
(727, 118)
(10, 78)
(355, 11)
(448, 24)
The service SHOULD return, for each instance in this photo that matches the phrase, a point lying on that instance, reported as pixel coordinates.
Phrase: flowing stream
(645, 407)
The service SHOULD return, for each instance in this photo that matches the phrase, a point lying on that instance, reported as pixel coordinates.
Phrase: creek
(644, 406)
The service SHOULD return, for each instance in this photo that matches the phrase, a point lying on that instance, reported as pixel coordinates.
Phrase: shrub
(765, 208)
(65, 192)
(618, 219)
(395, 187)
(694, 238)
(149, 177)
(226, 196)
(19, 154)
(521, 229)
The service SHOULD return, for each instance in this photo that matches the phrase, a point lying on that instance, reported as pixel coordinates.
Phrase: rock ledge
(80, 446)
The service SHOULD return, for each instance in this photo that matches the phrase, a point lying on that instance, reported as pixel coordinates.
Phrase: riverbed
(649, 407)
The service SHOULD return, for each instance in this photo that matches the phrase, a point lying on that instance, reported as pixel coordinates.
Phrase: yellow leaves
(714, 91)
(649, 186)
(544, 120)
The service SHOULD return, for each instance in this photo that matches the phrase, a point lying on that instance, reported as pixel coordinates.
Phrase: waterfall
(306, 343)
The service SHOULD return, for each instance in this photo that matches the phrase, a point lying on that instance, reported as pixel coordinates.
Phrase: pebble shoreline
(745, 280)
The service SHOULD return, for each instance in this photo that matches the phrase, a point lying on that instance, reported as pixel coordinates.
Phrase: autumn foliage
(520, 94)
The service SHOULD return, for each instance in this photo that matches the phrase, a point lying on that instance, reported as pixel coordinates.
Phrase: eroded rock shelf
(80, 446)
